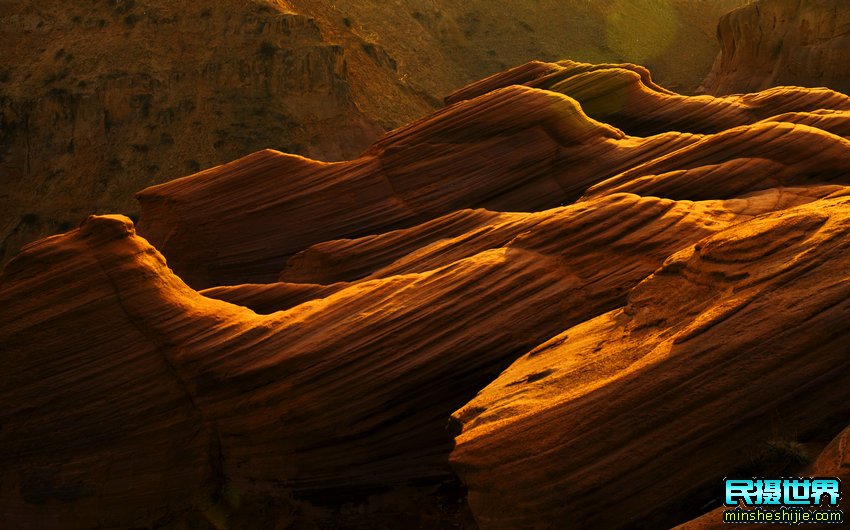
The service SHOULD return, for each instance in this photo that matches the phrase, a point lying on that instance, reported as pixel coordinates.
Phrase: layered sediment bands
(782, 42)
(518, 75)
(328, 400)
(352, 259)
(765, 155)
(625, 96)
(649, 406)
(517, 148)
(95, 414)
(833, 121)
(543, 75)
(515, 228)
(598, 320)
(265, 298)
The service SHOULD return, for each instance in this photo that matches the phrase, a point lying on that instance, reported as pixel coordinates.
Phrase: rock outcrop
(782, 42)
(624, 95)
(510, 147)
(276, 403)
(513, 149)
(636, 408)
(506, 314)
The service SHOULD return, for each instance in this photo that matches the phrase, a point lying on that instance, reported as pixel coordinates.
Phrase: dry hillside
(103, 97)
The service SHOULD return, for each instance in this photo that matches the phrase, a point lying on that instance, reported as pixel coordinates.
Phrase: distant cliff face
(100, 99)
(783, 42)
(442, 45)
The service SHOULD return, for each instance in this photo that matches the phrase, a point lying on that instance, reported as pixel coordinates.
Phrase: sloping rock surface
(506, 314)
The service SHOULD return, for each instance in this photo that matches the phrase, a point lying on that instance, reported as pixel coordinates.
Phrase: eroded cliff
(782, 42)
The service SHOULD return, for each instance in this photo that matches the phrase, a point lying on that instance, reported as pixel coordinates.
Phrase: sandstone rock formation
(637, 408)
(506, 314)
(782, 42)
(511, 148)
(624, 95)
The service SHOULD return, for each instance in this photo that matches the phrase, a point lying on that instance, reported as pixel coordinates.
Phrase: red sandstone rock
(782, 42)
(690, 284)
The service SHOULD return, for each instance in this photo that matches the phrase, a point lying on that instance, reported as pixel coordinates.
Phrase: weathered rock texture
(636, 408)
(516, 147)
(783, 42)
(508, 293)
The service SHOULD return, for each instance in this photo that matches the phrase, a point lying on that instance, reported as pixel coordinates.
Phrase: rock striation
(498, 145)
(509, 313)
(635, 408)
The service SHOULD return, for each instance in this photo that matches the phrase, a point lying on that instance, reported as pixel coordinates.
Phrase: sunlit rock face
(638, 407)
(517, 141)
(782, 42)
(569, 289)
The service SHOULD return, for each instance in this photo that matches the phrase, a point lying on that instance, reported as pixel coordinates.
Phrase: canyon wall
(783, 42)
